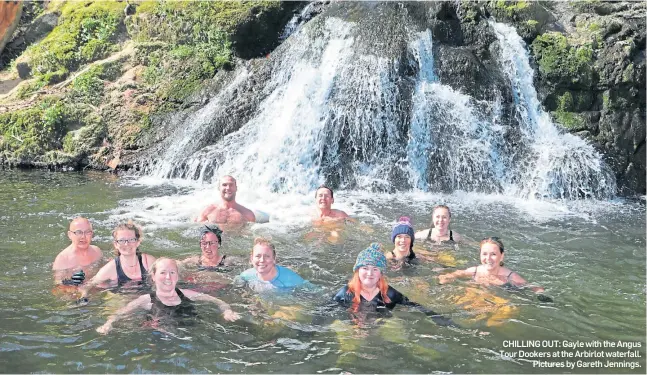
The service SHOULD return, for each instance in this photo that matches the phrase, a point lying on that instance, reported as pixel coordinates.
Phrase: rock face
(588, 59)
(11, 12)
(589, 70)
(590, 74)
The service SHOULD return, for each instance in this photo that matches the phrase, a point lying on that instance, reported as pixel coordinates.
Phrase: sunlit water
(589, 255)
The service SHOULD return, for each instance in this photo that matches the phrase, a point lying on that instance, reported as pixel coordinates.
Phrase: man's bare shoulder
(338, 214)
(96, 250)
(246, 212)
(62, 259)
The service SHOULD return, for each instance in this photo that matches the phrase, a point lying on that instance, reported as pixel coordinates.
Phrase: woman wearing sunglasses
(129, 265)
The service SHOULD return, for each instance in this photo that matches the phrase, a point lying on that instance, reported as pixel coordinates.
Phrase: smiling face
(491, 256)
(209, 245)
(324, 199)
(228, 189)
(441, 219)
(166, 275)
(80, 233)
(126, 242)
(369, 276)
(402, 243)
(263, 259)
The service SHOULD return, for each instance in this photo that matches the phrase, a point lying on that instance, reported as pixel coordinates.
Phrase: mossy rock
(33, 131)
(87, 31)
(561, 62)
(570, 120)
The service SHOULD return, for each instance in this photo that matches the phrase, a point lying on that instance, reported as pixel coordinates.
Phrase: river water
(589, 255)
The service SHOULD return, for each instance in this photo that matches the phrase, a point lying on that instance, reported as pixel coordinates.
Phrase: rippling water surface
(590, 257)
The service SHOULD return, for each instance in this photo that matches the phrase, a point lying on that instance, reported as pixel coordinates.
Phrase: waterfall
(191, 137)
(335, 110)
(558, 164)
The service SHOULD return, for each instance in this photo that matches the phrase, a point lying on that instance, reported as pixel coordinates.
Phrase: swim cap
(211, 229)
(403, 227)
(371, 256)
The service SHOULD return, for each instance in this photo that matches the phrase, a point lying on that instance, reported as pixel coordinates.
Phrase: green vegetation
(564, 115)
(532, 23)
(190, 41)
(86, 32)
(89, 86)
(177, 46)
(510, 8)
(30, 132)
(558, 59)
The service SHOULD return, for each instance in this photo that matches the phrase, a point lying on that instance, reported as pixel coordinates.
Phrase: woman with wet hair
(484, 304)
(129, 264)
(211, 259)
(369, 289)
(402, 237)
(491, 271)
(439, 232)
(166, 300)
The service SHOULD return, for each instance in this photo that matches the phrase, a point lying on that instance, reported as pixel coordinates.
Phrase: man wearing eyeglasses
(227, 211)
(71, 264)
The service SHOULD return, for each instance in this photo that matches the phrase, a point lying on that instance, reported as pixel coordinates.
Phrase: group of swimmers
(368, 287)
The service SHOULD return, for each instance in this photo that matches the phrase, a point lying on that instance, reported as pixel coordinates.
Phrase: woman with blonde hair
(128, 265)
(439, 232)
(491, 271)
(167, 300)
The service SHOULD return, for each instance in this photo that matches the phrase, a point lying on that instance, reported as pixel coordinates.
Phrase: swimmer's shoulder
(422, 235)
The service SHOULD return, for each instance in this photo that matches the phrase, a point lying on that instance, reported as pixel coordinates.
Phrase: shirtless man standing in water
(79, 256)
(227, 211)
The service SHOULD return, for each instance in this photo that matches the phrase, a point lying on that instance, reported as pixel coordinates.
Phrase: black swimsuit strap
(121, 275)
(220, 264)
(142, 269)
(451, 236)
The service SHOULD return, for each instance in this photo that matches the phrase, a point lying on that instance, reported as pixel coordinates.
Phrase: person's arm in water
(141, 303)
(519, 281)
(105, 274)
(399, 298)
(227, 312)
(449, 277)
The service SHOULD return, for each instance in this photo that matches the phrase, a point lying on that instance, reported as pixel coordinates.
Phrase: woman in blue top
(266, 274)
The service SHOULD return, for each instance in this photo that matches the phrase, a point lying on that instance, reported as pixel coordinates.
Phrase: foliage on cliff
(83, 106)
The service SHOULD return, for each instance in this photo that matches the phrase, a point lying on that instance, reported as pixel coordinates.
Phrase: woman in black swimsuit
(167, 300)
(208, 270)
(441, 216)
(210, 259)
(129, 264)
(491, 270)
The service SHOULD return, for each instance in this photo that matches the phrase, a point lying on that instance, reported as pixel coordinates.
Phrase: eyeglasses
(207, 243)
(80, 233)
(125, 241)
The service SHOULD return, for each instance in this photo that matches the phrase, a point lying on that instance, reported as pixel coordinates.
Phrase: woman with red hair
(369, 288)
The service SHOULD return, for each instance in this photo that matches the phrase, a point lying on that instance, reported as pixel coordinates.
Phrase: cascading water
(557, 164)
(333, 112)
(452, 137)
